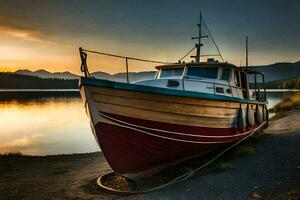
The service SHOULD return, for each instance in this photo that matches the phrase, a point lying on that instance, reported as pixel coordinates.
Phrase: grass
(225, 163)
(221, 166)
(289, 103)
(244, 150)
(278, 115)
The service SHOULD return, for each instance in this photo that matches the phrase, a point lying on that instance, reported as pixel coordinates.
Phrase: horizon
(151, 30)
(80, 73)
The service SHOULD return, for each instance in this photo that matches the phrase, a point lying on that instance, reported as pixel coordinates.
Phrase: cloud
(30, 35)
(18, 28)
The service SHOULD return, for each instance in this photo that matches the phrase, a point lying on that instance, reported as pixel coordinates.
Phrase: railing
(84, 66)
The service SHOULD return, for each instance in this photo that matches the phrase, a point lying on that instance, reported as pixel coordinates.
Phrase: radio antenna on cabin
(198, 45)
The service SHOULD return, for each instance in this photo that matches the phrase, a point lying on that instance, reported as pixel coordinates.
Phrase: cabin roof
(176, 65)
(251, 71)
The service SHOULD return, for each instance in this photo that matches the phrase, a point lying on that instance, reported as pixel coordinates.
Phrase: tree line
(17, 81)
(284, 84)
(290, 84)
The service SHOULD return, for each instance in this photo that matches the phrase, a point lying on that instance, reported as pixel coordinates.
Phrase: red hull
(134, 146)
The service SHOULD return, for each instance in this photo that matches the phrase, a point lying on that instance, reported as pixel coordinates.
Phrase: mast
(199, 44)
(246, 51)
(199, 40)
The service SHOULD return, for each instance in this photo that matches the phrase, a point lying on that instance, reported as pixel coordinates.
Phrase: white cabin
(207, 77)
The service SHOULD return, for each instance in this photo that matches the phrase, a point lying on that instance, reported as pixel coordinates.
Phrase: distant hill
(277, 75)
(18, 81)
(273, 72)
(121, 77)
(26, 79)
(279, 71)
(102, 75)
(133, 76)
(46, 74)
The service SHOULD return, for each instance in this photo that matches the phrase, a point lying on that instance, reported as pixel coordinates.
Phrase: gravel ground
(272, 172)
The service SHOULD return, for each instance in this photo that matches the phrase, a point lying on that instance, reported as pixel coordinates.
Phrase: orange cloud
(23, 34)
(14, 26)
(31, 35)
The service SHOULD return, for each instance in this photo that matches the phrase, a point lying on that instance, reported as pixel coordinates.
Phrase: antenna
(246, 51)
(199, 44)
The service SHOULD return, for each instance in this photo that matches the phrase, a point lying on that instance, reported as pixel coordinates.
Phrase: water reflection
(40, 124)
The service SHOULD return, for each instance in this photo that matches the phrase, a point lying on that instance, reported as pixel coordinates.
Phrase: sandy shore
(272, 172)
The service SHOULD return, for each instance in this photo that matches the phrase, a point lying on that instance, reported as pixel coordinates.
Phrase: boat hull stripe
(185, 137)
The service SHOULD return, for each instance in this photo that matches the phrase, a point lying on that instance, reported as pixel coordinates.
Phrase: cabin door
(244, 85)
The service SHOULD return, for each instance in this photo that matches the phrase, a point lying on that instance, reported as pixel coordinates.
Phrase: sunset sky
(41, 34)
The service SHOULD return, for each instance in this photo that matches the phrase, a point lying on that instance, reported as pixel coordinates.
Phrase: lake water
(53, 122)
(43, 123)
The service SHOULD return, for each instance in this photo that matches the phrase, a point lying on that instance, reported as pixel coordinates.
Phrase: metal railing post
(264, 84)
(214, 88)
(255, 86)
(127, 75)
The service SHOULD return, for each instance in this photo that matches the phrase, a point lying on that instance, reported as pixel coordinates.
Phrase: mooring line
(126, 57)
(178, 179)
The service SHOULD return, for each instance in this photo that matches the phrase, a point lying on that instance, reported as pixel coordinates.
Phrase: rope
(84, 67)
(166, 131)
(213, 40)
(187, 54)
(131, 58)
(125, 125)
(179, 178)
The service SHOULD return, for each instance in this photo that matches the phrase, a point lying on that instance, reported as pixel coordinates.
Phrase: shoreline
(21, 155)
(273, 170)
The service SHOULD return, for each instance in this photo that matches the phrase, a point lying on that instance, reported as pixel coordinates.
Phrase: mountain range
(273, 72)
(279, 71)
(133, 76)
(45, 74)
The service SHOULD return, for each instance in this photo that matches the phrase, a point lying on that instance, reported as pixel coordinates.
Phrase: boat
(185, 111)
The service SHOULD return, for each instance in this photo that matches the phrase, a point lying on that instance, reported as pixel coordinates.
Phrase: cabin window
(205, 72)
(225, 74)
(256, 86)
(171, 72)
